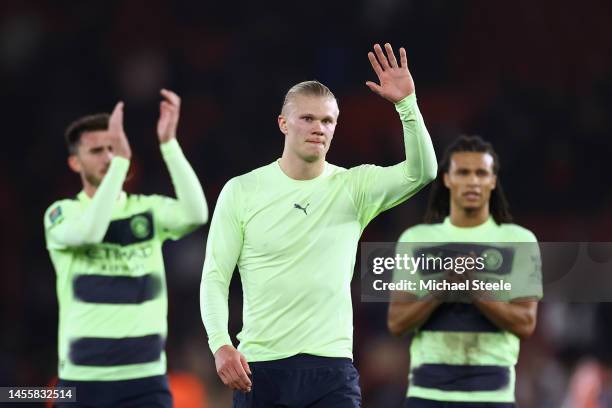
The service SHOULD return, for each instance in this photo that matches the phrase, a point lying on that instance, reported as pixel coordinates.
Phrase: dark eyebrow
(476, 170)
(96, 149)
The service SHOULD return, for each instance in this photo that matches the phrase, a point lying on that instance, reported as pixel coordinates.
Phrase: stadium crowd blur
(535, 78)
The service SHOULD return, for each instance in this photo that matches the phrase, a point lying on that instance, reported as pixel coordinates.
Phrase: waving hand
(395, 81)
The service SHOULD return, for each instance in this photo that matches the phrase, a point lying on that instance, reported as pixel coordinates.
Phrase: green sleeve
(223, 248)
(67, 226)
(375, 189)
(189, 210)
(526, 275)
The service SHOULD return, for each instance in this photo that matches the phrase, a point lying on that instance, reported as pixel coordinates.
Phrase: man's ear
(74, 164)
(494, 182)
(446, 180)
(282, 124)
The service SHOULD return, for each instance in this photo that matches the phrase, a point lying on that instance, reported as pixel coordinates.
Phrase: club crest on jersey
(493, 259)
(55, 214)
(140, 226)
(299, 207)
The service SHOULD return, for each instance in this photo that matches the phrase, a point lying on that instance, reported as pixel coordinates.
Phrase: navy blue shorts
(425, 403)
(302, 381)
(151, 392)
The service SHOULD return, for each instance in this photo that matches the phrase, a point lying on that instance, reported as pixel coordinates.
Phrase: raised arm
(379, 188)
(190, 208)
(66, 228)
(397, 86)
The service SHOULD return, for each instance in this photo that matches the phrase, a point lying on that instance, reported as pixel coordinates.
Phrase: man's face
(470, 179)
(308, 123)
(93, 156)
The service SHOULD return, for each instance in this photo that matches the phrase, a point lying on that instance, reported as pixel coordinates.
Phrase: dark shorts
(424, 403)
(302, 381)
(151, 392)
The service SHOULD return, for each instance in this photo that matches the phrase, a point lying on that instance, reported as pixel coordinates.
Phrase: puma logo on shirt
(299, 207)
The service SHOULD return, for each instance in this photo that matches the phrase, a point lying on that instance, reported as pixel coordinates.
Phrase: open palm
(395, 81)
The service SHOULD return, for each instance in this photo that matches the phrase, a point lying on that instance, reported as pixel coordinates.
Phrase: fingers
(391, 55)
(224, 377)
(115, 121)
(403, 59)
(374, 87)
(118, 109)
(381, 63)
(232, 368)
(375, 65)
(167, 107)
(171, 97)
(118, 139)
(241, 380)
(380, 55)
(228, 377)
(245, 365)
(164, 112)
(236, 378)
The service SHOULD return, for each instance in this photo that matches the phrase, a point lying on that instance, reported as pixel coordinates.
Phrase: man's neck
(299, 169)
(89, 189)
(461, 217)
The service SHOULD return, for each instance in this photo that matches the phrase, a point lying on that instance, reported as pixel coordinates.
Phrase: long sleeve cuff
(121, 164)
(217, 341)
(406, 107)
(170, 148)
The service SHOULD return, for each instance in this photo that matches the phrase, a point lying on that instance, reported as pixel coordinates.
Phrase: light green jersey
(458, 354)
(294, 242)
(111, 287)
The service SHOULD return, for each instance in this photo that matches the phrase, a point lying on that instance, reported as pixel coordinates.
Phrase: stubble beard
(92, 179)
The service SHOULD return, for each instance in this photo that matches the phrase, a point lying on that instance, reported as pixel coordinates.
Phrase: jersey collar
(487, 224)
(286, 178)
(84, 198)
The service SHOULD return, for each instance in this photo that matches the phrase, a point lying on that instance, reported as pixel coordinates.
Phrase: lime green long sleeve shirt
(111, 287)
(295, 242)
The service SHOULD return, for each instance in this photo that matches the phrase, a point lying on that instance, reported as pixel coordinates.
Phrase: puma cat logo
(299, 207)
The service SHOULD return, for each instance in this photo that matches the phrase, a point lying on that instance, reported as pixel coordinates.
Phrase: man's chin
(313, 158)
(471, 206)
(94, 181)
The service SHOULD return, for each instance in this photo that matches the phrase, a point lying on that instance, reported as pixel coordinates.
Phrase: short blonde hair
(307, 88)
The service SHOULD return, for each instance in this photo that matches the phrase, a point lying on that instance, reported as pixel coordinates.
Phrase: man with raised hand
(463, 351)
(106, 248)
(292, 227)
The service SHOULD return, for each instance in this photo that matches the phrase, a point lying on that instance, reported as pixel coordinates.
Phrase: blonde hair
(307, 88)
